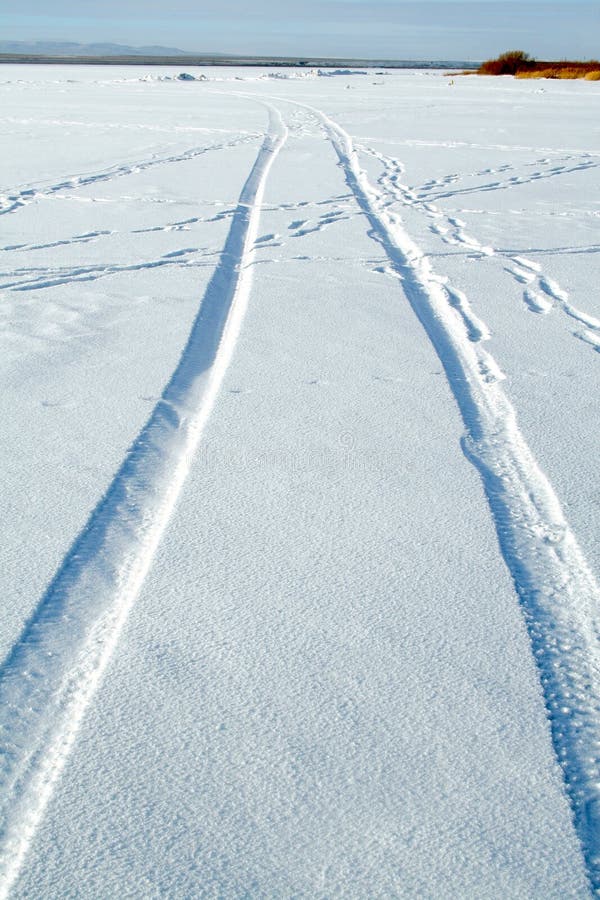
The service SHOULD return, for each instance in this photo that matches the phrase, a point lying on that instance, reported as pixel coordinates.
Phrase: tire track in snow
(559, 595)
(54, 668)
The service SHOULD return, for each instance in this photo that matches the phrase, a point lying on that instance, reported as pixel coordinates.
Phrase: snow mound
(185, 76)
(330, 73)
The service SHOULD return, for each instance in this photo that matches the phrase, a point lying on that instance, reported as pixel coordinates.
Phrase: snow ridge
(558, 592)
(52, 671)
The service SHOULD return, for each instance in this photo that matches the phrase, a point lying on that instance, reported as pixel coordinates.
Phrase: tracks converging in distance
(51, 674)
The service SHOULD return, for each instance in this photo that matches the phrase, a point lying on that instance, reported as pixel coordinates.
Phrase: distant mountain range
(69, 52)
(69, 48)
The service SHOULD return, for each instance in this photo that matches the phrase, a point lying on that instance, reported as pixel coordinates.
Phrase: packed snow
(300, 558)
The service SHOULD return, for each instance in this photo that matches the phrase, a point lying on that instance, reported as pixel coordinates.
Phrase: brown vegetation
(516, 62)
(508, 63)
(570, 71)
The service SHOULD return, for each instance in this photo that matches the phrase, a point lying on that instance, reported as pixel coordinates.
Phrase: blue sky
(421, 29)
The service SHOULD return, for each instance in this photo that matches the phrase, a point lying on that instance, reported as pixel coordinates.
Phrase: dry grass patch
(520, 64)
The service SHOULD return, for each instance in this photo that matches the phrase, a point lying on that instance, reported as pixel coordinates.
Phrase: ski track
(16, 199)
(540, 297)
(559, 595)
(53, 670)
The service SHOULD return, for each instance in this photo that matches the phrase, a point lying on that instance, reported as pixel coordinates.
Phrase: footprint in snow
(175, 253)
(521, 275)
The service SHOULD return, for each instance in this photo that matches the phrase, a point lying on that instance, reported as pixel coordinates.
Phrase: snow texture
(310, 596)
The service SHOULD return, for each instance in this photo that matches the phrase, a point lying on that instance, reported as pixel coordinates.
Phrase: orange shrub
(508, 63)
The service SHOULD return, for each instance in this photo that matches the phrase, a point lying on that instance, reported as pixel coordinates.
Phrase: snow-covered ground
(300, 556)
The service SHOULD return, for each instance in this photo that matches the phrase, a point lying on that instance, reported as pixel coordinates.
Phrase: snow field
(307, 727)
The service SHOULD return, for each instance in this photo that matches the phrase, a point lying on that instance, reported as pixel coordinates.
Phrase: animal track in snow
(329, 218)
(428, 190)
(49, 278)
(15, 200)
(536, 301)
(541, 293)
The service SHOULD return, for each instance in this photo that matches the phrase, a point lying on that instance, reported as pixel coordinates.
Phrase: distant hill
(67, 52)
(69, 48)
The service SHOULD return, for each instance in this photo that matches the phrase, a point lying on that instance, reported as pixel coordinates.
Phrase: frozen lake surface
(300, 403)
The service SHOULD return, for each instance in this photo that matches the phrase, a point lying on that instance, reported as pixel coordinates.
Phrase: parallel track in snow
(50, 676)
(559, 595)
